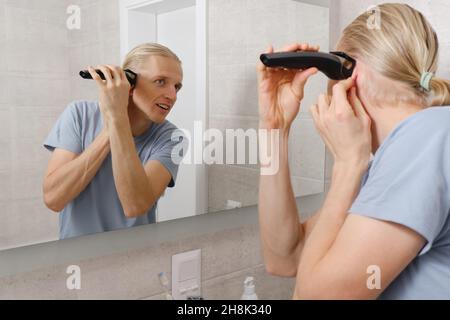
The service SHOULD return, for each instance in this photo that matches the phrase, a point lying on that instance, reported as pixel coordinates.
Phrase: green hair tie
(425, 80)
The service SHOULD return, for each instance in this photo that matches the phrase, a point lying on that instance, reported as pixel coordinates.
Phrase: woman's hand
(114, 92)
(280, 91)
(344, 125)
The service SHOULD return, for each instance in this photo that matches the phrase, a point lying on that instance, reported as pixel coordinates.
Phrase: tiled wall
(239, 31)
(39, 64)
(97, 42)
(34, 78)
(228, 256)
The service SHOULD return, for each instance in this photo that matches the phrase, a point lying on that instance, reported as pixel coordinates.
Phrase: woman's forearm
(345, 185)
(67, 182)
(281, 232)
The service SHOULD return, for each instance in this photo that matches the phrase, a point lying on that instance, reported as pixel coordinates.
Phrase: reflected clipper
(131, 76)
(335, 65)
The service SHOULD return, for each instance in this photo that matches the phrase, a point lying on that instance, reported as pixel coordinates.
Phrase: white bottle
(249, 290)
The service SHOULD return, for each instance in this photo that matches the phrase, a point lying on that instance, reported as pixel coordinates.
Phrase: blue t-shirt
(408, 183)
(98, 208)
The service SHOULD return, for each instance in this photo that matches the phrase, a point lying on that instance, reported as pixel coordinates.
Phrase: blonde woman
(111, 159)
(383, 230)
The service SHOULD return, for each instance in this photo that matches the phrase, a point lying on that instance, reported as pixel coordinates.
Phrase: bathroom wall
(229, 242)
(236, 39)
(39, 64)
(227, 258)
(97, 42)
(34, 88)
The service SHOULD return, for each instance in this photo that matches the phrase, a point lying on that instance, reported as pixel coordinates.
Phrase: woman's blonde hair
(141, 52)
(402, 47)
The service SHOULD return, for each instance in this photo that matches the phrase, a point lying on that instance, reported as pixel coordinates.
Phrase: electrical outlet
(186, 274)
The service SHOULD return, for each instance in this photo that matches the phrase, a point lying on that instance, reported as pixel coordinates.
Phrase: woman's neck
(387, 118)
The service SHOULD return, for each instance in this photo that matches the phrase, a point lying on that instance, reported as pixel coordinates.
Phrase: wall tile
(43, 284)
(37, 91)
(21, 58)
(312, 25)
(30, 154)
(305, 186)
(5, 137)
(30, 222)
(227, 257)
(2, 23)
(231, 286)
(6, 180)
(134, 275)
(27, 183)
(307, 150)
(82, 56)
(227, 38)
(270, 22)
(39, 120)
(229, 250)
(5, 212)
(89, 32)
(109, 17)
(35, 26)
(233, 90)
(250, 126)
(82, 89)
(235, 183)
(126, 276)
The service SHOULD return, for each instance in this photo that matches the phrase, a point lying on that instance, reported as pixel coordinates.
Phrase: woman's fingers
(357, 104)
(95, 76)
(340, 104)
(106, 72)
(115, 72)
(290, 48)
(300, 78)
(307, 47)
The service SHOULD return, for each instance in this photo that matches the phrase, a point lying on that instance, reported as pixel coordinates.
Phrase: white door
(177, 28)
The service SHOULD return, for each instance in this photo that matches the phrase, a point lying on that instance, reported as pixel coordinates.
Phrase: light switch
(186, 274)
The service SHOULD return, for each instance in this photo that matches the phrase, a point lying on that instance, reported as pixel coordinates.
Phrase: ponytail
(440, 92)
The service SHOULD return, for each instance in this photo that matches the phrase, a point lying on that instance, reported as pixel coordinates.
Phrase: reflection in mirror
(239, 32)
(47, 43)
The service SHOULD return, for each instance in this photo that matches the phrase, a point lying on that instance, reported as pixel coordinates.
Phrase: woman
(383, 230)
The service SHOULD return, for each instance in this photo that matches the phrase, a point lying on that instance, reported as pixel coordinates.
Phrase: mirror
(46, 44)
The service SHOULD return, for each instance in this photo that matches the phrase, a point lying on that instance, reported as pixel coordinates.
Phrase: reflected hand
(280, 91)
(114, 91)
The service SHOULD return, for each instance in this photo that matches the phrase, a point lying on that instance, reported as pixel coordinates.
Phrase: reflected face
(158, 83)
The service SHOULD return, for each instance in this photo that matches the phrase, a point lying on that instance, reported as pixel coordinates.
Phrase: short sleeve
(170, 149)
(407, 183)
(66, 133)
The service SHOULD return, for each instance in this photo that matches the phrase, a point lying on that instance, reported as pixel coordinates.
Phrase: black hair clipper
(335, 65)
(131, 76)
